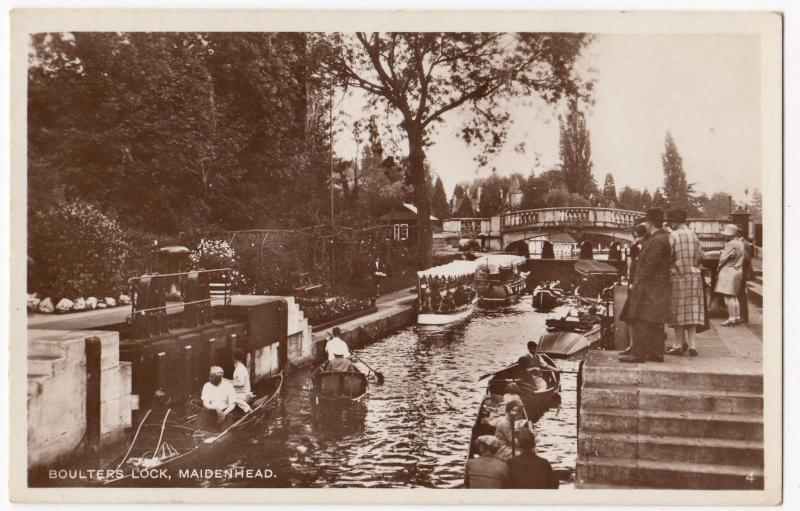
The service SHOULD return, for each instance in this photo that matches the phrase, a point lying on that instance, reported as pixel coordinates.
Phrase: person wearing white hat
(729, 276)
(218, 395)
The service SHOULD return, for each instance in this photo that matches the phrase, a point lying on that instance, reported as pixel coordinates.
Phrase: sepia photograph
(312, 256)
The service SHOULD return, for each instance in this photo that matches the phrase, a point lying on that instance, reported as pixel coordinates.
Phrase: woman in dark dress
(640, 236)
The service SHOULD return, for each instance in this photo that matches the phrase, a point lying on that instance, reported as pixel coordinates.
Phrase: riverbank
(393, 312)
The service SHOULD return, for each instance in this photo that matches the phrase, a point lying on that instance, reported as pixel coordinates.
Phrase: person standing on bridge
(687, 284)
(650, 297)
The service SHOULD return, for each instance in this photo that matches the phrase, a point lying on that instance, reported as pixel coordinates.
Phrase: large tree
(441, 209)
(609, 191)
(420, 77)
(576, 152)
(677, 191)
(719, 205)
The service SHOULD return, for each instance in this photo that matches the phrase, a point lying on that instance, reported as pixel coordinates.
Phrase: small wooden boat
(547, 298)
(570, 334)
(535, 403)
(173, 443)
(338, 386)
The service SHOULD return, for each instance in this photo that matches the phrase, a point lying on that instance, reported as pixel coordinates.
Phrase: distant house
(402, 223)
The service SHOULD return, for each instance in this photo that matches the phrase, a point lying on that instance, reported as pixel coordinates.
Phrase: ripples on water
(414, 430)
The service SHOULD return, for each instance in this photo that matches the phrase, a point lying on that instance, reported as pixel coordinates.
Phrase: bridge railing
(570, 216)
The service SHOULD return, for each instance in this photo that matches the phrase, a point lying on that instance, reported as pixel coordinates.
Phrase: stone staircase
(652, 426)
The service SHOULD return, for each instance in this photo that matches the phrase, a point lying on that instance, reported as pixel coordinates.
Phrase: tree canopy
(419, 77)
(576, 152)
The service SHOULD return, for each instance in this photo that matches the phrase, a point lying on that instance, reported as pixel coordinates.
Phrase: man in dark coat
(529, 471)
(650, 303)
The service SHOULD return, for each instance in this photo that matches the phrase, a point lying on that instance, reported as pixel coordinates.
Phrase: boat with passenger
(511, 385)
(171, 439)
(498, 279)
(580, 329)
(445, 293)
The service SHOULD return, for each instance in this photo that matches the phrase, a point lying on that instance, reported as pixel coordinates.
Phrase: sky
(703, 88)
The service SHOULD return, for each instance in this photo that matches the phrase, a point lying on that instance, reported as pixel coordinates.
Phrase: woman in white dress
(729, 276)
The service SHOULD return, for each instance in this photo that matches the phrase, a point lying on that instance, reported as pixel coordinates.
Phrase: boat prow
(565, 343)
(339, 386)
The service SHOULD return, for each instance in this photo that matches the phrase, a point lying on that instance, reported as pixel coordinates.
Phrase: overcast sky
(705, 89)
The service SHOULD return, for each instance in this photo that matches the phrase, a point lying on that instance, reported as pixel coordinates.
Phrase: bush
(76, 250)
(319, 310)
(217, 254)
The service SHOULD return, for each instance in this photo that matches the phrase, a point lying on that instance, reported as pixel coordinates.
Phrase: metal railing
(194, 291)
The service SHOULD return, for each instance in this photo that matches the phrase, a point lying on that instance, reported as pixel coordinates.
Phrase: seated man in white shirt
(336, 344)
(218, 395)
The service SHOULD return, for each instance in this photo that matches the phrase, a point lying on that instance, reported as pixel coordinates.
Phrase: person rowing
(340, 362)
(336, 344)
(536, 359)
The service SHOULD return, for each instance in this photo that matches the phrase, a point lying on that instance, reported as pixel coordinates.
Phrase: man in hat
(650, 298)
(336, 344)
(486, 471)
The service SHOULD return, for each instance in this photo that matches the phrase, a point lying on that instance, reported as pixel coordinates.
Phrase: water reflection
(413, 430)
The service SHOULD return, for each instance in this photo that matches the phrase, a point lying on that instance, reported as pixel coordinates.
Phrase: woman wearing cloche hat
(729, 278)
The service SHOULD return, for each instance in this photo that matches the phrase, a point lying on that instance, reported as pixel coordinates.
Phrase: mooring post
(188, 373)
(93, 349)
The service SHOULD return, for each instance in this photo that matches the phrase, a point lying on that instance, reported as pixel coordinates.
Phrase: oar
(378, 375)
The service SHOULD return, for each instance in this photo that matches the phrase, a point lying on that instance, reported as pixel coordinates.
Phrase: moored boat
(498, 280)
(170, 442)
(570, 335)
(547, 297)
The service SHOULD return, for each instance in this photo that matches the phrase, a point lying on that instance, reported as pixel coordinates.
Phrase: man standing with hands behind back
(650, 299)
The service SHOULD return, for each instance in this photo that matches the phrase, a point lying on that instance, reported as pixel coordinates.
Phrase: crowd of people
(444, 294)
(666, 286)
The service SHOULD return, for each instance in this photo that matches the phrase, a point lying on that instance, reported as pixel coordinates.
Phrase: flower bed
(320, 311)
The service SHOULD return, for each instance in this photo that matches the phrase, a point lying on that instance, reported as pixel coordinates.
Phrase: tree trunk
(416, 168)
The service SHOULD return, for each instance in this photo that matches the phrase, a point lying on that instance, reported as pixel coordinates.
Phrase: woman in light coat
(729, 276)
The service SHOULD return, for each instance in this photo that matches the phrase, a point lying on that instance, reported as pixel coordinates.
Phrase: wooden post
(93, 349)
(161, 372)
(188, 373)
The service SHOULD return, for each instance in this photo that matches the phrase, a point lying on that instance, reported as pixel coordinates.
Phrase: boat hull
(196, 443)
(563, 344)
(444, 318)
(339, 386)
(544, 299)
(501, 293)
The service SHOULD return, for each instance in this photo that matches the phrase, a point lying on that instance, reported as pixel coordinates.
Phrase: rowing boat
(546, 298)
(535, 403)
(571, 335)
(338, 386)
(171, 443)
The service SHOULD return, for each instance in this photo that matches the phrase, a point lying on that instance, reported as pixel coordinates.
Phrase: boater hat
(730, 230)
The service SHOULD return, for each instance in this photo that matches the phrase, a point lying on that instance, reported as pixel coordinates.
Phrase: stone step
(747, 453)
(610, 376)
(668, 475)
(672, 399)
(42, 365)
(682, 424)
(45, 349)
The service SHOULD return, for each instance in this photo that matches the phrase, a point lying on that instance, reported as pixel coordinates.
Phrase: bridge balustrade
(577, 216)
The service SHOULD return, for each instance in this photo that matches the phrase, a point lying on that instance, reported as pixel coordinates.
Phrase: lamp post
(330, 143)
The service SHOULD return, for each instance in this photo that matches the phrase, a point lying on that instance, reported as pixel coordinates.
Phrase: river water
(414, 430)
